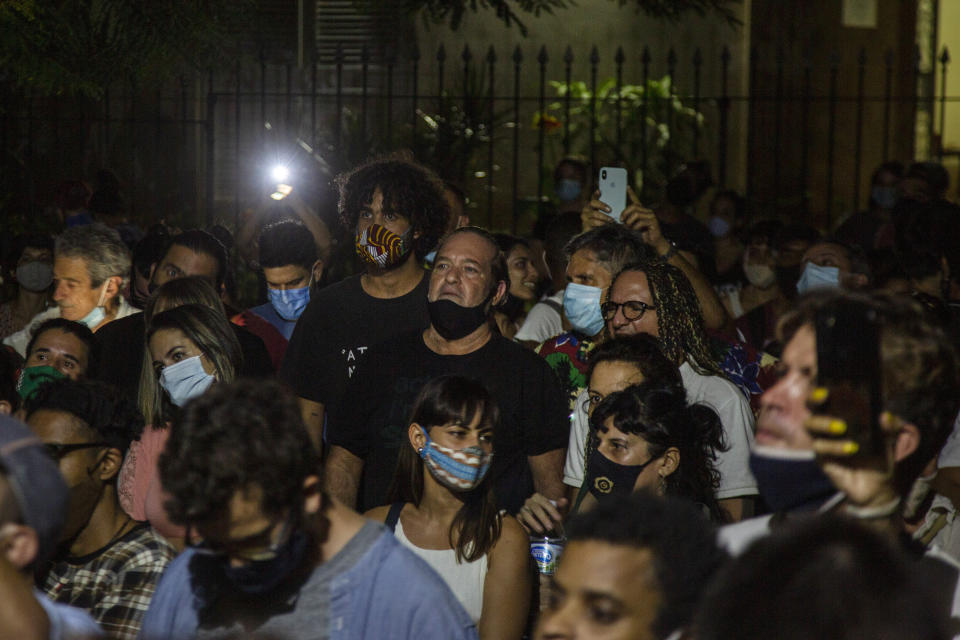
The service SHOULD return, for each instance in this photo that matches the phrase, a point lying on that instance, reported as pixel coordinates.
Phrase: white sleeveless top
(465, 580)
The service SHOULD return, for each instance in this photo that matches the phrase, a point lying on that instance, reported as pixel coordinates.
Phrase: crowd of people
(729, 428)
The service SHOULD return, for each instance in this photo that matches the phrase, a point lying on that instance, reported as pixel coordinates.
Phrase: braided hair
(679, 321)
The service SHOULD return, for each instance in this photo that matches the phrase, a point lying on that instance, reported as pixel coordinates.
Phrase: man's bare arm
(312, 414)
(547, 469)
(341, 475)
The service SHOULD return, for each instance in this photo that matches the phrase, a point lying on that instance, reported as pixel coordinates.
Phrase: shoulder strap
(393, 516)
(553, 304)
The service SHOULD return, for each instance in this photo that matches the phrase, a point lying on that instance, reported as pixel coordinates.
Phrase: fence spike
(945, 56)
(890, 58)
(619, 58)
(725, 55)
(697, 57)
(645, 57)
(441, 53)
(517, 55)
(364, 54)
(390, 55)
(491, 55)
(542, 57)
(594, 55)
(671, 57)
(834, 59)
(568, 55)
(862, 57)
(338, 54)
(415, 53)
(466, 56)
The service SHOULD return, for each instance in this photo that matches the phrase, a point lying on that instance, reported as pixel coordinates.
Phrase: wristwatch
(671, 252)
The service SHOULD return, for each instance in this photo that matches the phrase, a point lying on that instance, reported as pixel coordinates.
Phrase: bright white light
(280, 173)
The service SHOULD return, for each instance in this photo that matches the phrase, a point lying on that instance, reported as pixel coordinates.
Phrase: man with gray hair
(91, 265)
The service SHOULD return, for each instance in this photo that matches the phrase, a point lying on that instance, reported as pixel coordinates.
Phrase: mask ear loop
(421, 451)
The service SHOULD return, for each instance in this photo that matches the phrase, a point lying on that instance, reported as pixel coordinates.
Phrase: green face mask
(32, 378)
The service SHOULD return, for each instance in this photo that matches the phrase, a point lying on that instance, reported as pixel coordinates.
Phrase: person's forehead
(284, 273)
(623, 572)
(52, 425)
(60, 341)
(165, 339)
(801, 349)
(631, 285)
(70, 267)
(612, 371)
(469, 246)
(190, 262)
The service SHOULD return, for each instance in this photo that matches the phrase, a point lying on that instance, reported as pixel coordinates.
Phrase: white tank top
(465, 579)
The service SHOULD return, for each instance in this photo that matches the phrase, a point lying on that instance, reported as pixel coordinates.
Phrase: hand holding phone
(613, 190)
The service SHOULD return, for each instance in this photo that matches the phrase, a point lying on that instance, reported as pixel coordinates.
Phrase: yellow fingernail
(819, 394)
(850, 447)
(837, 427)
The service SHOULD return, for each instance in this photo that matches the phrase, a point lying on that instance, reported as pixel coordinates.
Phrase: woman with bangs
(442, 506)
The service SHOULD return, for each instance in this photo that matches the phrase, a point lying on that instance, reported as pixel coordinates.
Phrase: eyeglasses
(250, 548)
(59, 451)
(632, 309)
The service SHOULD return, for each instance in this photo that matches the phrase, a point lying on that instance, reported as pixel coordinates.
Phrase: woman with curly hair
(647, 437)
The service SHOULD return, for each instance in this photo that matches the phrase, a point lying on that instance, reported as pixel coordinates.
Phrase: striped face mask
(381, 247)
(456, 469)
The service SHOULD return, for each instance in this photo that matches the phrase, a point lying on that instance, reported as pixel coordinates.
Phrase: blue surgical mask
(568, 190)
(718, 227)
(885, 197)
(581, 304)
(289, 303)
(185, 380)
(97, 314)
(816, 277)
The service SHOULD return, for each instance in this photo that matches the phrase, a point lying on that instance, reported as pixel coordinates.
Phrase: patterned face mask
(456, 469)
(381, 247)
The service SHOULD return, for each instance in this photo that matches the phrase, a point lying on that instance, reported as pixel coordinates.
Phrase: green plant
(652, 118)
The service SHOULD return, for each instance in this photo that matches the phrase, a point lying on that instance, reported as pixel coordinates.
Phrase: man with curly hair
(270, 550)
(107, 563)
(398, 212)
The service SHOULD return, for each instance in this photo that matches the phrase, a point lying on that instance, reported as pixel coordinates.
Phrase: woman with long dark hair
(443, 509)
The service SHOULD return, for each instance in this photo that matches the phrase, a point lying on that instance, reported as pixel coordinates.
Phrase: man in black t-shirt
(399, 212)
(365, 432)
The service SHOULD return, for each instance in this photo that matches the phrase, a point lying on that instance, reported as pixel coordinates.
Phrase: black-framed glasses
(58, 451)
(632, 309)
(255, 547)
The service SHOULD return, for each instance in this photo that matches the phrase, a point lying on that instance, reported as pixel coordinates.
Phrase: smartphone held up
(613, 190)
(849, 367)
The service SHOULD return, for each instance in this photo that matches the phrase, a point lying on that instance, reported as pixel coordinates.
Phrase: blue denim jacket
(388, 593)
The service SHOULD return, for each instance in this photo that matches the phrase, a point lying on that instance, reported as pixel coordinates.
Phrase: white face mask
(185, 380)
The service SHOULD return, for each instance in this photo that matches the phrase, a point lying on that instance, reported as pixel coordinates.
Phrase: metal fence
(192, 149)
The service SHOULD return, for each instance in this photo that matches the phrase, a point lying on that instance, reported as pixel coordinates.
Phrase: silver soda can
(546, 552)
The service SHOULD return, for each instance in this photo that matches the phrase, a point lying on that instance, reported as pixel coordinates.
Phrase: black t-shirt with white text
(373, 417)
(337, 328)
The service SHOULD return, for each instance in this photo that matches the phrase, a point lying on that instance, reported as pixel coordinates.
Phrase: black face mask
(263, 576)
(790, 483)
(606, 479)
(453, 321)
